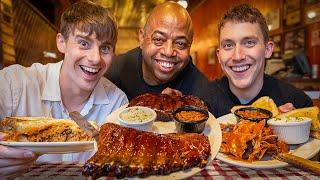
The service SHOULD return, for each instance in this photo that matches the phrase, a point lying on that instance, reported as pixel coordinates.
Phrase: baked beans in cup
(190, 119)
(252, 114)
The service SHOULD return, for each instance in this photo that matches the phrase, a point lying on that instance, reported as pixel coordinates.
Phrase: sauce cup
(189, 119)
(252, 114)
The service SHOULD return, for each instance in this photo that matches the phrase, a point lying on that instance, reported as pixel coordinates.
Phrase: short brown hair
(89, 17)
(245, 13)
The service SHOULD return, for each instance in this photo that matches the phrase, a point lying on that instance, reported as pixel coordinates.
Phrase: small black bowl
(190, 126)
(240, 117)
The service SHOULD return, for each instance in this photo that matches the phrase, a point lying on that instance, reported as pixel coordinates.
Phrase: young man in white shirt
(87, 38)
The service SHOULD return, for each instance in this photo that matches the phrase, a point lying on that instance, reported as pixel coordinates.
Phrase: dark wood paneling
(7, 36)
(33, 35)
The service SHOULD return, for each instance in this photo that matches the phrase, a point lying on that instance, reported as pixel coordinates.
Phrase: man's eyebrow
(104, 43)
(83, 37)
(165, 35)
(251, 37)
(159, 32)
(226, 40)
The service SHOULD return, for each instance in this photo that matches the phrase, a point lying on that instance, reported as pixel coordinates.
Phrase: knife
(84, 124)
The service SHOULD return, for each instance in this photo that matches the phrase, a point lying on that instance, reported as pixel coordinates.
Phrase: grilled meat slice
(125, 152)
(165, 104)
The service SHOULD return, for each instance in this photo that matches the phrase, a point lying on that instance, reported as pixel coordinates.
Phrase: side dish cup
(292, 130)
(137, 117)
(190, 119)
(252, 114)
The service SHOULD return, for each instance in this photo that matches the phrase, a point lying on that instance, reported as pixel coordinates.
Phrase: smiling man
(87, 39)
(243, 47)
(162, 60)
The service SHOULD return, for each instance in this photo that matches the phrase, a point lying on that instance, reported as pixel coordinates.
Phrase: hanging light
(183, 3)
(311, 14)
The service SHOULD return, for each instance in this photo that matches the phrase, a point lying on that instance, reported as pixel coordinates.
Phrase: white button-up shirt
(35, 91)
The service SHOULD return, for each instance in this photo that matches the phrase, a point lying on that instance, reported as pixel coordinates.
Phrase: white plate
(212, 130)
(52, 147)
(306, 150)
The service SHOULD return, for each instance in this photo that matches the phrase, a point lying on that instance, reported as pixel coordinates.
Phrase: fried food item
(310, 112)
(250, 141)
(267, 103)
(42, 129)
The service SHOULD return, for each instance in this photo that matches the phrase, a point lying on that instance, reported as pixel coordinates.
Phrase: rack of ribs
(126, 152)
(165, 104)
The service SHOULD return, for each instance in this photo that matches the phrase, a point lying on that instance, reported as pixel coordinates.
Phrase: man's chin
(241, 84)
(164, 80)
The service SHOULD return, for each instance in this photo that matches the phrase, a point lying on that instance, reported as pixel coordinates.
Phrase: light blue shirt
(35, 91)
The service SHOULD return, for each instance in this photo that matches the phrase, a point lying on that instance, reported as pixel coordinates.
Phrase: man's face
(86, 59)
(242, 52)
(165, 45)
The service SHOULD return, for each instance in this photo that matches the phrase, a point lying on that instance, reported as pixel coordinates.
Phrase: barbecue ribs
(165, 104)
(125, 152)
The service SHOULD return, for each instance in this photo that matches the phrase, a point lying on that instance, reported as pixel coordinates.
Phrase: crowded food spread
(127, 152)
(252, 143)
(168, 131)
(165, 104)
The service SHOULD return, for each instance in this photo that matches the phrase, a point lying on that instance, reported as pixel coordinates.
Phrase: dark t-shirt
(126, 73)
(222, 99)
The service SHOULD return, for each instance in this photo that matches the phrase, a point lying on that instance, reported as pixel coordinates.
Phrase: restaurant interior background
(28, 29)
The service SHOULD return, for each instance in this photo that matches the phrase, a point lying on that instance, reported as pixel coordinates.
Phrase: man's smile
(89, 70)
(240, 68)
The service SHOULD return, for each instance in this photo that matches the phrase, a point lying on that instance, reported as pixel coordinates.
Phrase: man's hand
(170, 91)
(14, 162)
(286, 107)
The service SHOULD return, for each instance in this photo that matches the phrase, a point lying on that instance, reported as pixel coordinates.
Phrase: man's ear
(141, 36)
(217, 53)
(61, 43)
(269, 49)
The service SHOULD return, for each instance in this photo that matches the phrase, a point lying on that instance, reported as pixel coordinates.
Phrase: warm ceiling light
(311, 14)
(183, 3)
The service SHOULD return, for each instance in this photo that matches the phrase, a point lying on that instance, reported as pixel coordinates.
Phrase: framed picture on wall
(291, 6)
(294, 40)
(273, 19)
(212, 57)
(293, 18)
(292, 12)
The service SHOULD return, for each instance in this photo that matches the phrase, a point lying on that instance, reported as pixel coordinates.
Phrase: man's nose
(238, 53)
(168, 49)
(94, 55)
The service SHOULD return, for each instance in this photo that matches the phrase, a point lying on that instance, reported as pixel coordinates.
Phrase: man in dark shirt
(162, 60)
(243, 46)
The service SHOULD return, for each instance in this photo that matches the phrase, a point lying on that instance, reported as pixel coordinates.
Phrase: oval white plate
(212, 130)
(306, 150)
(52, 147)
